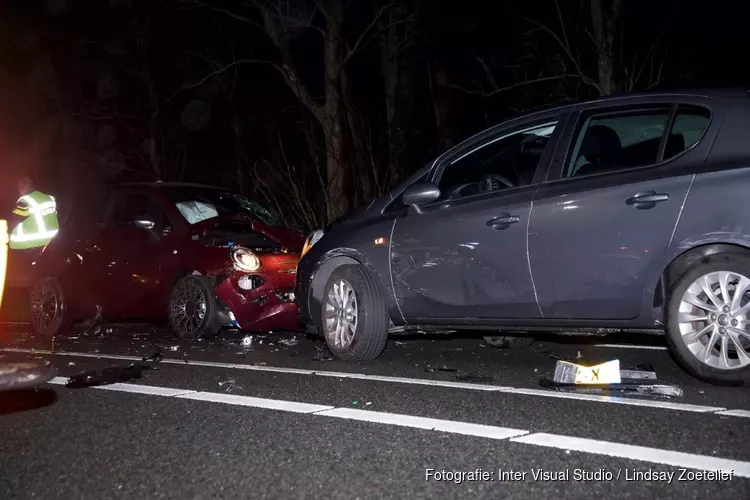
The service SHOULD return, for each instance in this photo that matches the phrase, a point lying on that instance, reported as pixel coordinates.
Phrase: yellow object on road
(3, 255)
(571, 373)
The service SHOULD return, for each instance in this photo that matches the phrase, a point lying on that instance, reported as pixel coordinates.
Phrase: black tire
(509, 341)
(732, 262)
(47, 297)
(196, 289)
(371, 329)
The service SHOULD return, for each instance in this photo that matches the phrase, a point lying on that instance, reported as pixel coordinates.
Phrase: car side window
(128, 207)
(503, 162)
(611, 141)
(690, 122)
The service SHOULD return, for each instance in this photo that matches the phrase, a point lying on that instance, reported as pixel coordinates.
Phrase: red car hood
(289, 238)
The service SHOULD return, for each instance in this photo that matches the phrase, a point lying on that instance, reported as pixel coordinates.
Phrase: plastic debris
(470, 377)
(430, 369)
(247, 341)
(106, 376)
(368, 403)
(229, 385)
(579, 355)
(571, 373)
(355, 403)
(322, 353)
(174, 348)
(290, 342)
(156, 357)
(25, 375)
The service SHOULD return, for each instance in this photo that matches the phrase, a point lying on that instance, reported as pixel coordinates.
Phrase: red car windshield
(197, 205)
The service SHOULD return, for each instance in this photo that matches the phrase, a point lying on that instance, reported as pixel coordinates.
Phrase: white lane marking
(132, 388)
(269, 404)
(433, 424)
(640, 453)
(667, 405)
(637, 453)
(735, 413)
(628, 346)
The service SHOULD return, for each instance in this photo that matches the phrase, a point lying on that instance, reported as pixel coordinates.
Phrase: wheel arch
(334, 259)
(681, 263)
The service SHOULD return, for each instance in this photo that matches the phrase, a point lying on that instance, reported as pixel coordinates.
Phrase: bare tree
(284, 20)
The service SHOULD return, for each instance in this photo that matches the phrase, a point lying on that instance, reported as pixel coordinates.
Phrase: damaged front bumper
(259, 302)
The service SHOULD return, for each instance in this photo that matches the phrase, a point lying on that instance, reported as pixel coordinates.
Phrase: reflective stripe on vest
(38, 211)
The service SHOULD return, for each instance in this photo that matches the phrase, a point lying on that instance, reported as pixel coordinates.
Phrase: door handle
(503, 222)
(649, 199)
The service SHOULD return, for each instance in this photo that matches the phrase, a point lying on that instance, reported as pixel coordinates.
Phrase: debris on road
(156, 357)
(470, 377)
(430, 369)
(247, 341)
(608, 377)
(571, 373)
(106, 376)
(25, 374)
(290, 342)
(231, 385)
(322, 353)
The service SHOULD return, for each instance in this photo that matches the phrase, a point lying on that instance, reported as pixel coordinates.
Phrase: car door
(131, 277)
(464, 255)
(612, 205)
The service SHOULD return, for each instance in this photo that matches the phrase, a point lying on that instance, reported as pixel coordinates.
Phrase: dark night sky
(703, 40)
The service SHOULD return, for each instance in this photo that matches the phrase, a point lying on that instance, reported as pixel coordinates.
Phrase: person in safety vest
(39, 213)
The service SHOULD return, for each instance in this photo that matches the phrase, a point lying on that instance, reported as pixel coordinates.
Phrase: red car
(200, 256)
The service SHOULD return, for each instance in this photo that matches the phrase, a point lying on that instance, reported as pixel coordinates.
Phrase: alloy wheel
(713, 320)
(341, 313)
(188, 308)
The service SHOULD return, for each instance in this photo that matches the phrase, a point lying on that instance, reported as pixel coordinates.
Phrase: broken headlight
(310, 241)
(245, 260)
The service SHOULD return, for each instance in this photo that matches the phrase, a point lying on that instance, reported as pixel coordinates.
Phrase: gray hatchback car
(622, 213)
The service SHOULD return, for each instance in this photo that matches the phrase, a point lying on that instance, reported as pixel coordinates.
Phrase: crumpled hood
(234, 227)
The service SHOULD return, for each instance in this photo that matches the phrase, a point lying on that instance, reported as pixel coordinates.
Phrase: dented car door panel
(449, 262)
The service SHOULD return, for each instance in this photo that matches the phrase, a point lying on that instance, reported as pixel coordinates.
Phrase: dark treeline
(315, 106)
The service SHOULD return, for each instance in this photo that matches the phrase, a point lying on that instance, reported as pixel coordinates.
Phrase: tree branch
(498, 90)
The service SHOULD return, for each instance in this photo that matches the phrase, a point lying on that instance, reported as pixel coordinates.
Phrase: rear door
(612, 204)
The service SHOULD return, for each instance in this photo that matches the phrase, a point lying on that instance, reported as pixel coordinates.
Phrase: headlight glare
(245, 260)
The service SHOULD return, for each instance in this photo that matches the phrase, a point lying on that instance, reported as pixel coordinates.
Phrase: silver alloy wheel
(188, 307)
(46, 305)
(341, 313)
(713, 320)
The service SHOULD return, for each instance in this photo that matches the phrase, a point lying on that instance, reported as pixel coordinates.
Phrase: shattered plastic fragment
(322, 353)
(290, 342)
(247, 341)
(109, 375)
(430, 369)
(470, 377)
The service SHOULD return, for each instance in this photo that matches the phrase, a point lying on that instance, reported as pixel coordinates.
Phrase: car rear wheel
(49, 312)
(509, 341)
(192, 309)
(354, 320)
(708, 328)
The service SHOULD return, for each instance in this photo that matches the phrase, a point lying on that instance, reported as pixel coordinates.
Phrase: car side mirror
(419, 194)
(146, 224)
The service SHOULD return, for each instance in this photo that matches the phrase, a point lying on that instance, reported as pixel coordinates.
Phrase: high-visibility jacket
(40, 224)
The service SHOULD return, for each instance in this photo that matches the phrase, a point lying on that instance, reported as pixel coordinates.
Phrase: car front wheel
(192, 309)
(354, 320)
(708, 328)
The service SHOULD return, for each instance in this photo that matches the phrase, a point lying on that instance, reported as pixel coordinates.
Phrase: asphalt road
(216, 420)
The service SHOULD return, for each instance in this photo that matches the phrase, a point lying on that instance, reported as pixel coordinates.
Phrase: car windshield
(199, 204)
